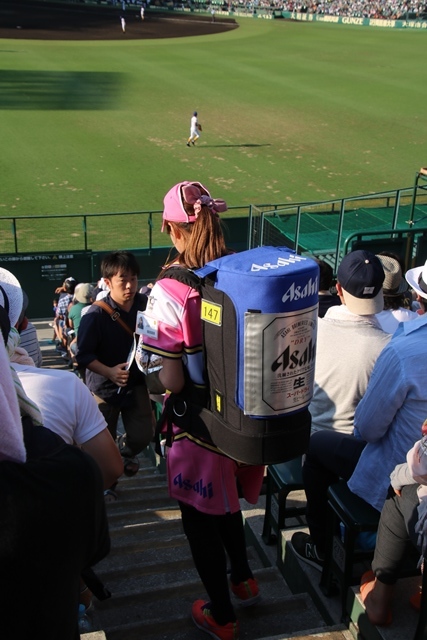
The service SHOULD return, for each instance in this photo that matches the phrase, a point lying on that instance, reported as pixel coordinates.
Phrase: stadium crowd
(378, 9)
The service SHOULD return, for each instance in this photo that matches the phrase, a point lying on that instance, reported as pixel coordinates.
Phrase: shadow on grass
(48, 90)
(217, 146)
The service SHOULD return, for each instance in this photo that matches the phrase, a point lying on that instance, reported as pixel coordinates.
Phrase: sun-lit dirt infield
(42, 21)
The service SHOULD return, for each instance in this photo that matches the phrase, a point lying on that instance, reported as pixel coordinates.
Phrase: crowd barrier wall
(41, 272)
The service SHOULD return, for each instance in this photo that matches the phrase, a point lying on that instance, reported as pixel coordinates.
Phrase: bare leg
(377, 597)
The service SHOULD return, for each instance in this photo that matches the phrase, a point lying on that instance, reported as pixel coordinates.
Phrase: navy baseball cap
(361, 275)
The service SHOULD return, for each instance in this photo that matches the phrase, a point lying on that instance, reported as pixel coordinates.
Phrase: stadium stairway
(153, 582)
(151, 576)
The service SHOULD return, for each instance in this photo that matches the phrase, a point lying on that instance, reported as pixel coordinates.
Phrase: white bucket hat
(11, 297)
(417, 280)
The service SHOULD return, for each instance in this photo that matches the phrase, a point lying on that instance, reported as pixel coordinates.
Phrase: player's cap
(194, 113)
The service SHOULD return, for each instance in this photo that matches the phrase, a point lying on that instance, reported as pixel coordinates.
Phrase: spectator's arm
(401, 476)
(104, 451)
(383, 398)
(118, 374)
(92, 435)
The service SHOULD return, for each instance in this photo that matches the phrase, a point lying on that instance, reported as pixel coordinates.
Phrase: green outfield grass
(290, 112)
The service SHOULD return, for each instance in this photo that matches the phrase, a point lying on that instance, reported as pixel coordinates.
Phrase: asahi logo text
(299, 292)
(281, 262)
(204, 490)
(294, 359)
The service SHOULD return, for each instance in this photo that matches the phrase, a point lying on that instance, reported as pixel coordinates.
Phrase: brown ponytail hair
(204, 238)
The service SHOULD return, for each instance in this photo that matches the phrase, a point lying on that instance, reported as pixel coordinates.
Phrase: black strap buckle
(115, 315)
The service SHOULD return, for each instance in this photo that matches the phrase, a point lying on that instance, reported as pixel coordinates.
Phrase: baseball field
(290, 112)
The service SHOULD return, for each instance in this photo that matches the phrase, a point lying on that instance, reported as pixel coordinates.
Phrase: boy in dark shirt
(104, 347)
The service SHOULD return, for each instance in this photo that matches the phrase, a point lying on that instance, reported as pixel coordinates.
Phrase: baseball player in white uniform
(195, 129)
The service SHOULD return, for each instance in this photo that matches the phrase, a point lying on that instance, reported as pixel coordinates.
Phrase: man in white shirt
(349, 341)
(69, 409)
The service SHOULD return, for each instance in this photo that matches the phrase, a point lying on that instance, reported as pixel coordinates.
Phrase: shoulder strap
(193, 398)
(186, 276)
(114, 314)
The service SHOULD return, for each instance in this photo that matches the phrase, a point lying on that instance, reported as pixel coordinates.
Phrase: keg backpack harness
(212, 414)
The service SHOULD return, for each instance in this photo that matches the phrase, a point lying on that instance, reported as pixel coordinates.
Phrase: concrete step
(165, 613)
(333, 633)
(154, 563)
(151, 575)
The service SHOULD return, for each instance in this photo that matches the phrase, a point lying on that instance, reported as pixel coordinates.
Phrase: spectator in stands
(69, 409)
(349, 333)
(104, 346)
(101, 290)
(386, 427)
(394, 287)
(66, 405)
(417, 279)
(377, 9)
(28, 339)
(51, 493)
(402, 534)
(326, 297)
(11, 299)
(66, 293)
(83, 298)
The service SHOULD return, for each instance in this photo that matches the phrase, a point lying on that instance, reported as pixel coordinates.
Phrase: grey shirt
(347, 348)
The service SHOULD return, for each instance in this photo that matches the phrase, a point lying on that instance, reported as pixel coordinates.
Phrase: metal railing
(322, 228)
(330, 228)
(87, 232)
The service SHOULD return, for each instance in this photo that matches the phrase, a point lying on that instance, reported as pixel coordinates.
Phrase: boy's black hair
(119, 262)
(70, 285)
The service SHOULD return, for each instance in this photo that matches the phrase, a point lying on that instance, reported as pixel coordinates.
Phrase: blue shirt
(390, 414)
(63, 303)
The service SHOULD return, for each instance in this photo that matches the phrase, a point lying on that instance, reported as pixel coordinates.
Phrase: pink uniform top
(198, 474)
